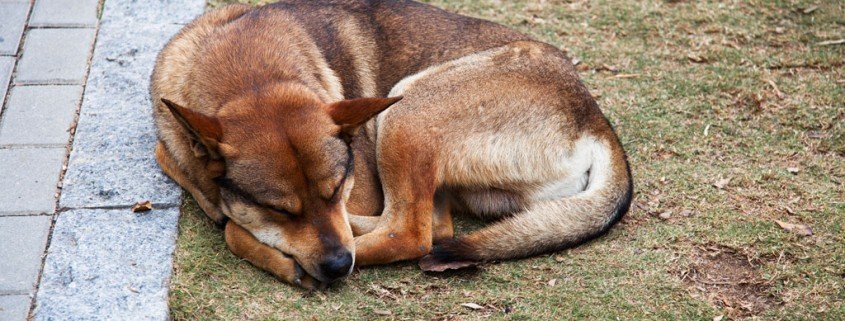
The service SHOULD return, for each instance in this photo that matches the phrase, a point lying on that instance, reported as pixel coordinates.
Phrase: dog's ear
(205, 129)
(352, 113)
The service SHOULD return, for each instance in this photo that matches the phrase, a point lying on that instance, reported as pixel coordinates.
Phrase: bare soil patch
(730, 280)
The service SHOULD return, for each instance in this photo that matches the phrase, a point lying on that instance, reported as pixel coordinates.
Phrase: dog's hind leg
(363, 224)
(169, 166)
(442, 218)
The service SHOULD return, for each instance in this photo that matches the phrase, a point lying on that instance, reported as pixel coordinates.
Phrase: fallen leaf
(718, 318)
(472, 306)
(430, 264)
(789, 210)
(722, 183)
(831, 42)
(142, 206)
(552, 282)
(696, 58)
(810, 9)
(382, 312)
(627, 76)
(793, 170)
(559, 259)
(799, 229)
(686, 213)
(606, 67)
(337, 306)
(779, 30)
(778, 93)
(665, 215)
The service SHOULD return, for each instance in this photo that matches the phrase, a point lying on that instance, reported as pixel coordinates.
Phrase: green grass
(685, 125)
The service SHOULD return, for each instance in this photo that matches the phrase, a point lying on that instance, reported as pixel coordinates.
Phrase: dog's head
(283, 164)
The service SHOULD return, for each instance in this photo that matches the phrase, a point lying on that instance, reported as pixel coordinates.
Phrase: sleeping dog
(332, 134)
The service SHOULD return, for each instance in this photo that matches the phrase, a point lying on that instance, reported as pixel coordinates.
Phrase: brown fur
(259, 109)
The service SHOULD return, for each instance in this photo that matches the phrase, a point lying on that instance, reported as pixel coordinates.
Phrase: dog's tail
(555, 224)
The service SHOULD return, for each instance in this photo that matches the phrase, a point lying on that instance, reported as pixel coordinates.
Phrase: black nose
(337, 266)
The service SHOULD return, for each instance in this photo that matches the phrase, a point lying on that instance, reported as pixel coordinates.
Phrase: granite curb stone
(39, 115)
(108, 265)
(23, 239)
(28, 178)
(12, 22)
(152, 11)
(112, 162)
(55, 56)
(64, 13)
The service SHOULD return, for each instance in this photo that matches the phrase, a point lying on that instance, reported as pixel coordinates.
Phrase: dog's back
(373, 44)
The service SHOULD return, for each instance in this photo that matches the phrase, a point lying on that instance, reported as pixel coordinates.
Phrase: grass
(703, 93)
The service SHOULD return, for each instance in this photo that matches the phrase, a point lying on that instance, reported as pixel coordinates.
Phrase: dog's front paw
(305, 280)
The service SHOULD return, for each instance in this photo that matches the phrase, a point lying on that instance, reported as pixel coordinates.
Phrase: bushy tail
(555, 224)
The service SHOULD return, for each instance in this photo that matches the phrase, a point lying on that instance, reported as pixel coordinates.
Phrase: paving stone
(23, 239)
(28, 179)
(112, 162)
(14, 307)
(55, 56)
(39, 114)
(108, 265)
(6, 66)
(152, 11)
(12, 22)
(64, 13)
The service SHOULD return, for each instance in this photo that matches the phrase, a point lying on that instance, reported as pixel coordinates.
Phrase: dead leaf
(627, 76)
(142, 206)
(686, 213)
(559, 259)
(472, 306)
(722, 183)
(718, 318)
(665, 215)
(606, 67)
(789, 210)
(552, 282)
(793, 170)
(799, 229)
(779, 30)
(778, 93)
(810, 9)
(696, 58)
(831, 42)
(382, 312)
(431, 264)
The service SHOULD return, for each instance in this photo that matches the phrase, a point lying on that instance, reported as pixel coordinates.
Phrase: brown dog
(261, 119)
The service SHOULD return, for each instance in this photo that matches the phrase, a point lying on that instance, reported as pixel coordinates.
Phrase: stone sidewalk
(76, 151)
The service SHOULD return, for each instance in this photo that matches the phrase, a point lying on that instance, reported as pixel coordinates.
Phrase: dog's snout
(337, 266)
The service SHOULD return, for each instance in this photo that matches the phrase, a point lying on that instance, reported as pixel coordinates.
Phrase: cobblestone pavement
(76, 151)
